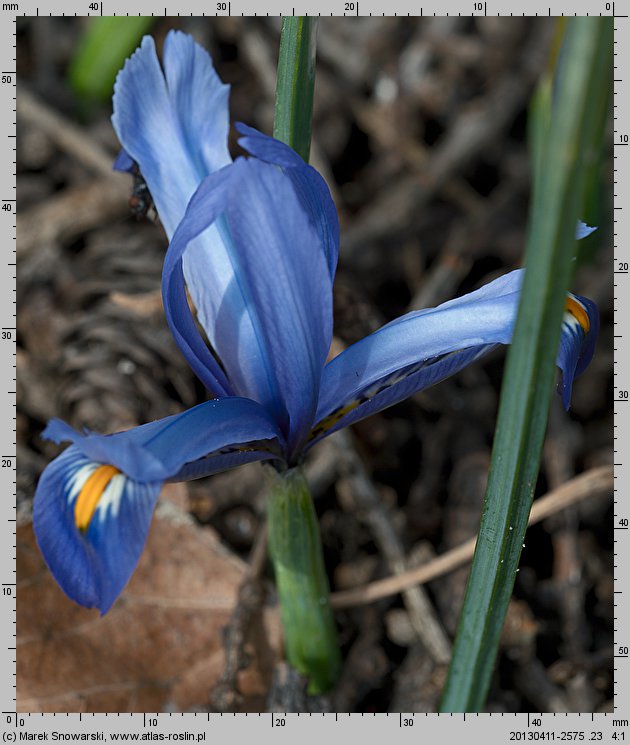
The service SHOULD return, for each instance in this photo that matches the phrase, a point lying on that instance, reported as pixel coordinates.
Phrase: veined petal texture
(94, 503)
(173, 124)
(91, 552)
(310, 187)
(282, 272)
(424, 347)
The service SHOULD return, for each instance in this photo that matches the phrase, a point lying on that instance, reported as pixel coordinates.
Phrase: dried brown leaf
(159, 648)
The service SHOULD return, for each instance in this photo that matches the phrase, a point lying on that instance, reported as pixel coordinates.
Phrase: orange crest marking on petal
(575, 308)
(90, 494)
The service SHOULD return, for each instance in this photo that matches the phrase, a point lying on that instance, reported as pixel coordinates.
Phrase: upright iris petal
(174, 125)
(281, 267)
(309, 186)
(174, 134)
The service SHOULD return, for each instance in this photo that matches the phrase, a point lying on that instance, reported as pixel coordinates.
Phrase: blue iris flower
(255, 243)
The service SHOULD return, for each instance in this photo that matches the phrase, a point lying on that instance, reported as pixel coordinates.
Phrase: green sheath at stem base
(296, 552)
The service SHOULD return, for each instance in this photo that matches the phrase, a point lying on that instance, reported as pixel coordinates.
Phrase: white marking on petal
(77, 480)
(111, 497)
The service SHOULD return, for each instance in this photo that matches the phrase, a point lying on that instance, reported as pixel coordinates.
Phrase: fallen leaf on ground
(160, 646)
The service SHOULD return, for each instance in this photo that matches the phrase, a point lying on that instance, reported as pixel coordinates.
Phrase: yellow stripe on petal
(329, 422)
(575, 308)
(90, 494)
(398, 376)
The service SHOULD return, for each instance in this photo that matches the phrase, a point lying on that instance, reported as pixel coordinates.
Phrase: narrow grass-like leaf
(295, 83)
(538, 123)
(540, 105)
(575, 131)
(106, 43)
(596, 185)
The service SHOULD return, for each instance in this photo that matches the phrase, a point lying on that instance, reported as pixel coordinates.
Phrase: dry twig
(593, 484)
(64, 133)
(225, 696)
(77, 209)
(73, 212)
(364, 496)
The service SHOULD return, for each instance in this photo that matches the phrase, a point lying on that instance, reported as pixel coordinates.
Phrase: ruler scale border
(608, 727)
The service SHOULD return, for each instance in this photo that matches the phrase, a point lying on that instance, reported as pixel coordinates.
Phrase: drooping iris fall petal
(94, 503)
(91, 552)
(422, 348)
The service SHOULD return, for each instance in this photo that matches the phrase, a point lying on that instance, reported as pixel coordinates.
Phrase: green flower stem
(295, 83)
(575, 134)
(296, 553)
(294, 542)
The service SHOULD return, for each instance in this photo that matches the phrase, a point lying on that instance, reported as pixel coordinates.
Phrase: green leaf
(575, 132)
(538, 123)
(295, 83)
(107, 42)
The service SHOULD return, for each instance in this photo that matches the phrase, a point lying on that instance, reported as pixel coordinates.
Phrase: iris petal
(231, 457)
(422, 348)
(583, 230)
(394, 388)
(201, 102)
(580, 328)
(94, 503)
(123, 162)
(91, 566)
(310, 187)
(228, 315)
(174, 125)
(282, 272)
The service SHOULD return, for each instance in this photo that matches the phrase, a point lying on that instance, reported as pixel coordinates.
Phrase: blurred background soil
(420, 131)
